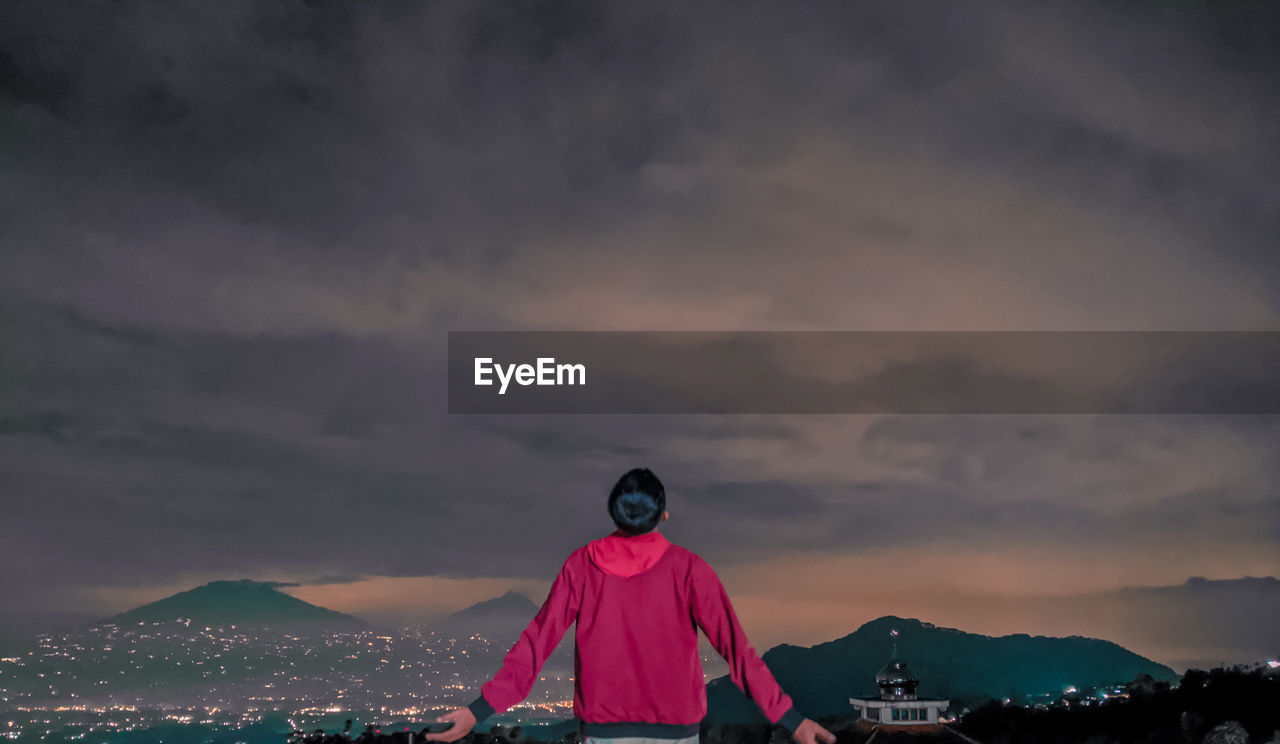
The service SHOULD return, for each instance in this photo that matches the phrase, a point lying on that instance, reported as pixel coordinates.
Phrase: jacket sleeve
(714, 614)
(522, 663)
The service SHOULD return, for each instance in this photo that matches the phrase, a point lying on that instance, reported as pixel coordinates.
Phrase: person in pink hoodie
(638, 601)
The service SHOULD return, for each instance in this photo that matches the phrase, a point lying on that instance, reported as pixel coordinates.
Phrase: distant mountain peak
(501, 617)
(951, 663)
(239, 602)
(509, 603)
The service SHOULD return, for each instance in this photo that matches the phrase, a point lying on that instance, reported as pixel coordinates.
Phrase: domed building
(897, 704)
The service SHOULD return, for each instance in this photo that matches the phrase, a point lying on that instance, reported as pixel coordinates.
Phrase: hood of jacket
(625, 555)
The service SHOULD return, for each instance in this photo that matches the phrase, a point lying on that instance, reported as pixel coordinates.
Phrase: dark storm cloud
(328, 579)
(336, 121)
(298, 131)
(235, 235)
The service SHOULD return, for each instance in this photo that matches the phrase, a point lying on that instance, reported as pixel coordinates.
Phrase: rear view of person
(638, 601)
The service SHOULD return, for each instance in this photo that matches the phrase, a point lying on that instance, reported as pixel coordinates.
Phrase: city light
(116, 680)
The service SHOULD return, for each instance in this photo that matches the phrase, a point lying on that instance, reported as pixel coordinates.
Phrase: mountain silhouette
(509, 605)
(241, 603)
(950, 663)
(499, 619)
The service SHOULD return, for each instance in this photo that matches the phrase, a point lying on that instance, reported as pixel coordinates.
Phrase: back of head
(637, 501)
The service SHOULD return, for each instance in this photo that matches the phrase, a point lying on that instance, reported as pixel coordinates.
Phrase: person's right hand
(809, 732)
(463, 722)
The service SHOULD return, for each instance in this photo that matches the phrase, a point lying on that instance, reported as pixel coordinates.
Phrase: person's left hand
(463, 722)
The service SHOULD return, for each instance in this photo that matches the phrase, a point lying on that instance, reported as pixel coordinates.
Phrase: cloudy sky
(233, 237)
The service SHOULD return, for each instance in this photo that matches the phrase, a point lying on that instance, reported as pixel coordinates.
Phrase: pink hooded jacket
(638, 602)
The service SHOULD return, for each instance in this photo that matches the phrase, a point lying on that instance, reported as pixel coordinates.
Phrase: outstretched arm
(714, 613)
(520, 666)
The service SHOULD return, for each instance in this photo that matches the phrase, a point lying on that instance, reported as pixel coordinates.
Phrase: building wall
(898, 712)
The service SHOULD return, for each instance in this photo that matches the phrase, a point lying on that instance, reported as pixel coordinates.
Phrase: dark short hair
(637, 501)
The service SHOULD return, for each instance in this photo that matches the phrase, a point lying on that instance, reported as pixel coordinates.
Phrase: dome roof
(896, 673)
